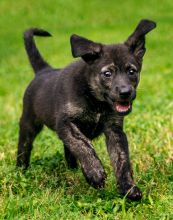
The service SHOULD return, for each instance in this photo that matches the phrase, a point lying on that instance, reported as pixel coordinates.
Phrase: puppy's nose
(125, 92)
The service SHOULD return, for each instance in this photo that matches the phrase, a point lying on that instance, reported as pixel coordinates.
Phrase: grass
(49, 190)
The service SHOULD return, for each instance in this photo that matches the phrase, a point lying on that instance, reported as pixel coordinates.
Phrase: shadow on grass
(50, 174)
(53, 173)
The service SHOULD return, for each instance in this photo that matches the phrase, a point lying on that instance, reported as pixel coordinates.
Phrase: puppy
(85, 99)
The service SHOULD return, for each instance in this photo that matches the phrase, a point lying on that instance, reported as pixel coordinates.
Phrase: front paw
(95, 175)
(132, 192)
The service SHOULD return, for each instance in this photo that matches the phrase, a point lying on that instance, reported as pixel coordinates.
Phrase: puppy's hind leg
(28, 131)
(70, 159)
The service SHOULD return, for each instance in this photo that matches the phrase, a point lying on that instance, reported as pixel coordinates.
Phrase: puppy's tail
(35, 58)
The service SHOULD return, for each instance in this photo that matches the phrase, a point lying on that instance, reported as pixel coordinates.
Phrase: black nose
(125, 92)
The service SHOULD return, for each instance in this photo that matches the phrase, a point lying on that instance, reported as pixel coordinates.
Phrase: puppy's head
(114, 70)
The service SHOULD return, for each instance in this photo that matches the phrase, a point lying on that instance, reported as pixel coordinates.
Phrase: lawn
(48, 190)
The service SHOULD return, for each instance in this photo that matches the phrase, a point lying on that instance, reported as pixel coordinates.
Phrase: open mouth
(122, 107)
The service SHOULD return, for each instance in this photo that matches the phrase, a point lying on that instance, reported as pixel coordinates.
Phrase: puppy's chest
(90, 123)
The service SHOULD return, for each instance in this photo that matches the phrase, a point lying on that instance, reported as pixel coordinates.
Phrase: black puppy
(83, 100)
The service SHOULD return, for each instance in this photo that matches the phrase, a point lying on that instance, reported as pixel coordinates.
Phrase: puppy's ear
(87, 49)
(136, 41)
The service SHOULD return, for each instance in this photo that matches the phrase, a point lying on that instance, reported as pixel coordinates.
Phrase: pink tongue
(122, 108)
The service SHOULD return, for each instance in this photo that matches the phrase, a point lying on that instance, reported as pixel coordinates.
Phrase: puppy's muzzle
(125, 93)
(121, 101)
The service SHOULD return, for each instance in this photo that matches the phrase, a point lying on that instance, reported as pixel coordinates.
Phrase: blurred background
(149, 127)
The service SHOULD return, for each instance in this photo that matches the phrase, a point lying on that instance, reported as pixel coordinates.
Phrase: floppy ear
(87, 49)
(136, 41)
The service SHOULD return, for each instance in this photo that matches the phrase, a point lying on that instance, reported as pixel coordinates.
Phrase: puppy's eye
(131, 72)
(107, 74)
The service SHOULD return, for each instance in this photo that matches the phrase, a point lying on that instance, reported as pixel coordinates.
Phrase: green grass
(49, 190)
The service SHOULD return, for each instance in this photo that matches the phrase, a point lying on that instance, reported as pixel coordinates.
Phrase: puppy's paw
(132, 192)
(95, 176)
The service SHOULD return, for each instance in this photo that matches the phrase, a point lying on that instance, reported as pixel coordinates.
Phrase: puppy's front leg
(117, 145)
(82, 149)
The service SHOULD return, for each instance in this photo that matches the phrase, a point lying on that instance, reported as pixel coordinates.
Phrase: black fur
(83, 100)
